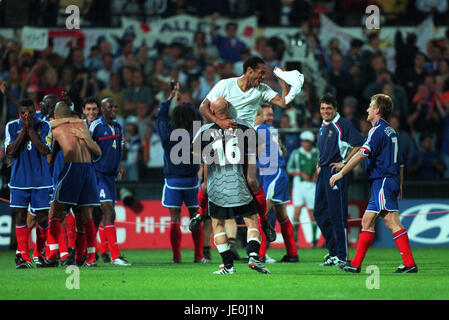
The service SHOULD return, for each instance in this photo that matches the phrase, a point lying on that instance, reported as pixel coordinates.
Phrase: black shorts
(224, 213)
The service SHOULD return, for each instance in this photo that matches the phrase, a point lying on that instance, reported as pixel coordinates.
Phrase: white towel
(293, 78)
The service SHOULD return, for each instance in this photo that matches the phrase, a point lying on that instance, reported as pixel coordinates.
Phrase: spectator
(144, 117)
(350, 105)
(174, 56)
(354, 56)
(339, 78)
(115, 91)
(76, 59)
(434, 54)
(137, 92)
(427, 164)
(94, 61)
(405, 52)
(67, 78)
(412, 77)
(154, 9)
(144, 63)
(132, 151)
(14, 89)
(106, 70)
(383, 80)
(206, 82)
(51, 85)
(229, 46)
(204, 52)
(132, 9)
(126, 77)
(422, 117)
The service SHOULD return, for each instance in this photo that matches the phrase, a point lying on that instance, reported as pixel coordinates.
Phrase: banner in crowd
(181, 28)
(426, 222)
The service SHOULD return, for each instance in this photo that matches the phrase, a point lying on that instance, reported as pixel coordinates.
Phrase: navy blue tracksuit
(335, 139)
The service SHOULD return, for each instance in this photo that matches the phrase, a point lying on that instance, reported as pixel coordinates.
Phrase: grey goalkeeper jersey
(224, 151)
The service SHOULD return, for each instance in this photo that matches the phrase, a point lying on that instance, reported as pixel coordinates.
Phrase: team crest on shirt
(330, 133)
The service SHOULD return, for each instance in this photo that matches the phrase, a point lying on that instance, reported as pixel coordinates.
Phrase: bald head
(62, 110)
(219, 106)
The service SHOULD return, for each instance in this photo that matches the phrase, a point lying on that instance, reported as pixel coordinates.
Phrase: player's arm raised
(279, 100)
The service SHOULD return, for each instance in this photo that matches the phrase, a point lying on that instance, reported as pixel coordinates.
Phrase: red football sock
(91, 240)
(403, 244)
(175, 239)
(261, 204)
(365, 240)
(111, 237)
(203, 201)
(198, 240)
(80, 245)
(289, 237)
(41, 238)
(54, 229)
(71, 230)
(63, 250)
(22, 241)
(103, 241)
(263, 242)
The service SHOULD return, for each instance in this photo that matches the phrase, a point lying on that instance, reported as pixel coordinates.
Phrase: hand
(400, 193)
(335, 178)
(3, 87)
(26, 121)
(227, 124)
(121, 172)
(81, 133)
(336, 166)
(175, 91)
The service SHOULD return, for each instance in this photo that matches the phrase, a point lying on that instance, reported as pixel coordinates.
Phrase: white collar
(336, 118)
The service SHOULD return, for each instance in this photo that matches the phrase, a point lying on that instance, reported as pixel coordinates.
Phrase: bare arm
(354, 161)
(279, 100)
(14, 147)
(84, 134)
(339, 165)
(207, 114)
(401, 179)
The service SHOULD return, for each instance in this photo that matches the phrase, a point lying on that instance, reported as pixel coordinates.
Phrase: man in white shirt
(245, 94)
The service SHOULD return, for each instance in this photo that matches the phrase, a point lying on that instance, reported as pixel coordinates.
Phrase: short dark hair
(329, 98)
(90, 100)
(252, 62)
(26, 103)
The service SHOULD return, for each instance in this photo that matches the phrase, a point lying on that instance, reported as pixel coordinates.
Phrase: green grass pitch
(154, 277)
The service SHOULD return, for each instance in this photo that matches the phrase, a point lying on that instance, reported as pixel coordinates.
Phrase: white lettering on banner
(421, 223)
(5, 230)
(147, 224)
(165, 221)
(181, 28)
(34, 38)
(120, 215)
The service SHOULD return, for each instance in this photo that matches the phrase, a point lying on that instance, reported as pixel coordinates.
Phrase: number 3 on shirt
(394, 140)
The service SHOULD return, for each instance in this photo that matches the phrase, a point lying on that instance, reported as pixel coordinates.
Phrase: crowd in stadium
(139, 79)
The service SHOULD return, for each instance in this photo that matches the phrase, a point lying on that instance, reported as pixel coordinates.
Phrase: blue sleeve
(46, 136)
(372, 142)
(10, 134)
(163, 124)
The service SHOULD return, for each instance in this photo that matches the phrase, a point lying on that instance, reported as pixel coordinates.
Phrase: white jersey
(243, 105)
